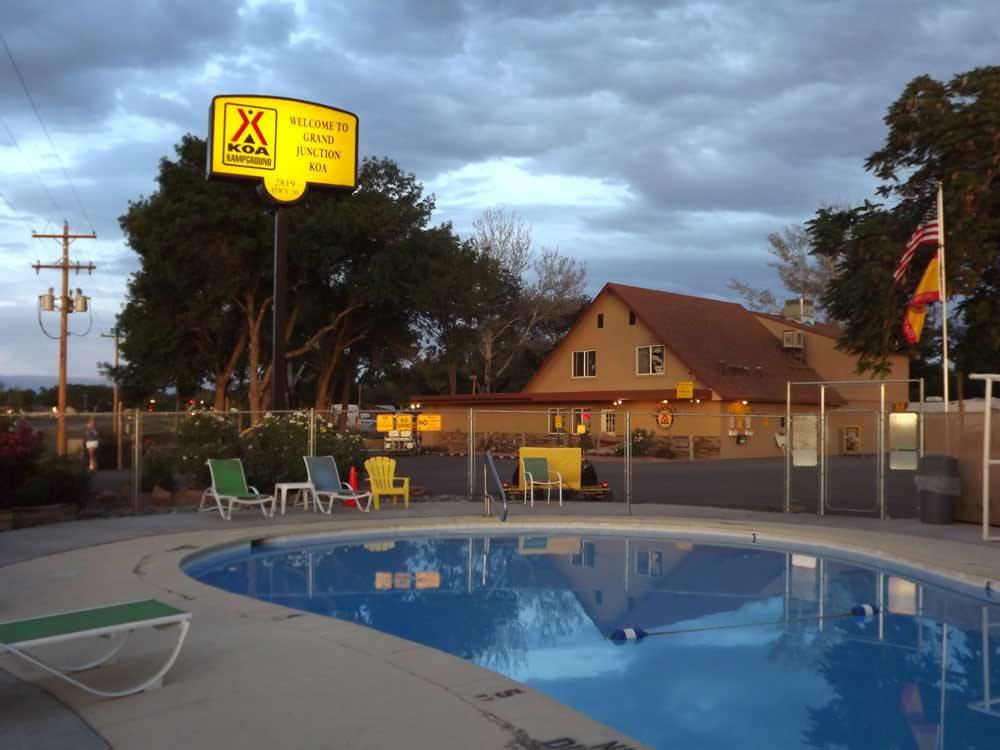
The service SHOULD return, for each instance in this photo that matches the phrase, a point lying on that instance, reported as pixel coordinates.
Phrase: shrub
(107, 448)
(347, 448)
(158, 465)
(643, 442)
(57, 479)
(20, 450)
(272, 449)
(201, 436)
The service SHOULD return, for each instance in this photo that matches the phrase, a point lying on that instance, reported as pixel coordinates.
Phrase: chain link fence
(754, 460)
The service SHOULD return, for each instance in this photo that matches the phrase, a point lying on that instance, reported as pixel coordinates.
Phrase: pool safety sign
(685, 389)
(288, 144)
(429, 423)
(385, 423)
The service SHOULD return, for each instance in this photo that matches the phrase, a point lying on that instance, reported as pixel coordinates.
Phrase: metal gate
(835, 442)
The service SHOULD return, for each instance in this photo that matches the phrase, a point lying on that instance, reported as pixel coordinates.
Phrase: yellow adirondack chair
(382, 475)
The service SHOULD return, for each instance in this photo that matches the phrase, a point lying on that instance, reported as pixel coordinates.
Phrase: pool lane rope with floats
(635, 634)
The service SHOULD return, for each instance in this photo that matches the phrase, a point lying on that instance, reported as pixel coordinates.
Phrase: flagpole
(944, 291)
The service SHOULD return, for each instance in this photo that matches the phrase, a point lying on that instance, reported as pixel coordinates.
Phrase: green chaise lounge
(229, 484)
(117, 622)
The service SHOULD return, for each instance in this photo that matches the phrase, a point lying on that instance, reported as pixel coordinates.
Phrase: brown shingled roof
(830, 330)
(723, 345)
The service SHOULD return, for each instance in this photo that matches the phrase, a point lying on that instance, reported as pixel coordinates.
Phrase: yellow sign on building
(288, 143)
(685, 389)
(429, 423)
(385, 423)
(404, 421)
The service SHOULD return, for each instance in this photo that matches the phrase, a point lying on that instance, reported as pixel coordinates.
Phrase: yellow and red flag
(928, 290)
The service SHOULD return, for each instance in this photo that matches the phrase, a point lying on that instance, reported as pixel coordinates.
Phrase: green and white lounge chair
(536, 473)
(116, 622)
(229, 484)
(325, 481)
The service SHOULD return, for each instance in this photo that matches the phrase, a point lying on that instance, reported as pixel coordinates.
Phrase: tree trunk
(325, 380)
(224, 376)
(452, 378)
(345, 396)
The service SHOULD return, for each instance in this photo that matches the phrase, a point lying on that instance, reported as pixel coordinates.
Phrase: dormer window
(649, 360)
(585, 364)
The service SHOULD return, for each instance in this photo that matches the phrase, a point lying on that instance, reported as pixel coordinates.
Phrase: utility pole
(115, 403)
(66, 306)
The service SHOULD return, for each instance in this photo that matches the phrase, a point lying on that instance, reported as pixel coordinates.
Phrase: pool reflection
(761, 655)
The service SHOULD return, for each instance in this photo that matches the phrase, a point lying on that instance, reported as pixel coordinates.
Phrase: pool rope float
(635, 634)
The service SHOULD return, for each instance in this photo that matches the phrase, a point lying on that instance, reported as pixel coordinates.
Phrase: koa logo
(250, 136)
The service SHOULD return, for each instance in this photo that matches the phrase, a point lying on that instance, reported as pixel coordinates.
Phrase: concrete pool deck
(258, 675)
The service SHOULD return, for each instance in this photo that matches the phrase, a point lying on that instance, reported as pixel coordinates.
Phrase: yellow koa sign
(289, 144)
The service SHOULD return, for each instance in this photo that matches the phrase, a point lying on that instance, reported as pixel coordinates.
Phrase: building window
(585, 364)
(631, 318)
(649, 360)
(581, 417)
(600, 320)
(586, 557)
(608, 422)
(655, 562)
(649, 562)
(557, 422)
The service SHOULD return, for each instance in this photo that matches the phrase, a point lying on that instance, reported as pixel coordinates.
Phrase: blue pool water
(538, 609)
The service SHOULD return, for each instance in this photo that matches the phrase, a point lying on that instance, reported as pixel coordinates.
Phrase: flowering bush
(201, 436)
(20, 449)
(272, 450)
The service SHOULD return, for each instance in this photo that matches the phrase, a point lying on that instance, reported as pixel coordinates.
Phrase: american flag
(925, 234)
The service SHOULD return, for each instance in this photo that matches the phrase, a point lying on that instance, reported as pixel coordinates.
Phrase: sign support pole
(279, 308)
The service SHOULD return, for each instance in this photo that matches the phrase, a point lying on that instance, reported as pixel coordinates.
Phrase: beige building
(632, 348)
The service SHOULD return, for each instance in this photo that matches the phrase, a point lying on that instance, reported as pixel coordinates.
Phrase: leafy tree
(947, 132)
(201, 292)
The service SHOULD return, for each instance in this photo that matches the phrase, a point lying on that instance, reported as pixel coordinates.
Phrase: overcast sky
(660, 142)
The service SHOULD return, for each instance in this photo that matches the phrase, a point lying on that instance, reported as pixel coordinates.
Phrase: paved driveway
(749, 484)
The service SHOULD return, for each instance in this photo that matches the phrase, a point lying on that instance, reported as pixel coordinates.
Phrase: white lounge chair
(536, 473)
(325, 481)
(117, 622)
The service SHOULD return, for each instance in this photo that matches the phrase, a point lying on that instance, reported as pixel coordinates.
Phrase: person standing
(91, 443)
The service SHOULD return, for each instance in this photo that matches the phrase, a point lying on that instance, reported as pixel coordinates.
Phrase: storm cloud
(658, 141)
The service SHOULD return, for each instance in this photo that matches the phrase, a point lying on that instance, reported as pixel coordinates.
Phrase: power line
(14, 211)
(45, 130)
(59, 211)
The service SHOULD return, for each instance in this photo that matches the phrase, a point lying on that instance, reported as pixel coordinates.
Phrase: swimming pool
(762, 652)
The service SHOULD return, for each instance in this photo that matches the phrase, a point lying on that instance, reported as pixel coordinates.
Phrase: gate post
(136, 458)
(788, 446)
(471, 449)
(627, 453)
(312, 431)
(822, 450)
(881, 453)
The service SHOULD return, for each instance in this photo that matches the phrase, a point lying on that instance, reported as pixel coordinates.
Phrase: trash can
(938, 488)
